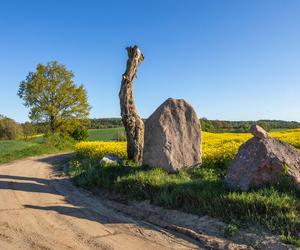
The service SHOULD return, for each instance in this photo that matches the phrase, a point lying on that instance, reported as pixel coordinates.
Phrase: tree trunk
(134, 125)
(52, 124)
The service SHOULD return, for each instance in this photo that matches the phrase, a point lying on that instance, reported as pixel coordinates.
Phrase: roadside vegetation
(199, 190)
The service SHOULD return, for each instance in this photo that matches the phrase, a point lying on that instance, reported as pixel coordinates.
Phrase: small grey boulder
(258, 132)
(110, 159)
(172, 136)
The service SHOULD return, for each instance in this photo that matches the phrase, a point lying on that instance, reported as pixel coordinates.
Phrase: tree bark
(52, 124)
(134, 125)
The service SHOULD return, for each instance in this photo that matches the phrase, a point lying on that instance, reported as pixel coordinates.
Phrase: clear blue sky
(235, 60)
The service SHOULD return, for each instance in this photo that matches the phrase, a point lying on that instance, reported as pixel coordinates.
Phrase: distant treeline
(217, 126)
(209, 125)
(244, 126)
(105, 123)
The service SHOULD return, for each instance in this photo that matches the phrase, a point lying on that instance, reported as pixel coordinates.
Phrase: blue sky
(233, 60)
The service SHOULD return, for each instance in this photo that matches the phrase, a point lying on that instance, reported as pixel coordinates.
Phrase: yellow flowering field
(97, 149)
(217, 147)
(221, 147)
(290, 136)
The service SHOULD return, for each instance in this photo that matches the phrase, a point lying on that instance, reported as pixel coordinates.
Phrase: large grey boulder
(263, 160)
(172, 136)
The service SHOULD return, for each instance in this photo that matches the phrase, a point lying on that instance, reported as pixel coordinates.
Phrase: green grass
(9, 146)
(17, 149)
(12, 150)
(200, 191)
(106, 134)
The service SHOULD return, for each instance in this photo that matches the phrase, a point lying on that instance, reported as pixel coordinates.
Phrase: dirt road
(41, 211)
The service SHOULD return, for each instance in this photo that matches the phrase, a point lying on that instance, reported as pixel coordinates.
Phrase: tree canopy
(53, 97)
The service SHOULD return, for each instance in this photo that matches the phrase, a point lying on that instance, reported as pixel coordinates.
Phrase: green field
(8, 146)
(17, 149)
(12, 150)
(105, 134)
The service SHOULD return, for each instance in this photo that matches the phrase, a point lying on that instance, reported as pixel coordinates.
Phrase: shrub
(80, 133)
(9, 129)
(59, 141)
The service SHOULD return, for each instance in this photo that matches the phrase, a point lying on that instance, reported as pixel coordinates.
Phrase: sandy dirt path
(39, 210)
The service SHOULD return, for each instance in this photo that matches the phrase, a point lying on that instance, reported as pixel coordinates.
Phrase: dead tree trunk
(134, 125)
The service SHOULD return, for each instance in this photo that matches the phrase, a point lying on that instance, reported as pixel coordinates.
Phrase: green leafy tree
(53, 97)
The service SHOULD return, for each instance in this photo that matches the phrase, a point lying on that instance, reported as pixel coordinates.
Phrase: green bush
(80, 133)
(59, 141)
(9, 129)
